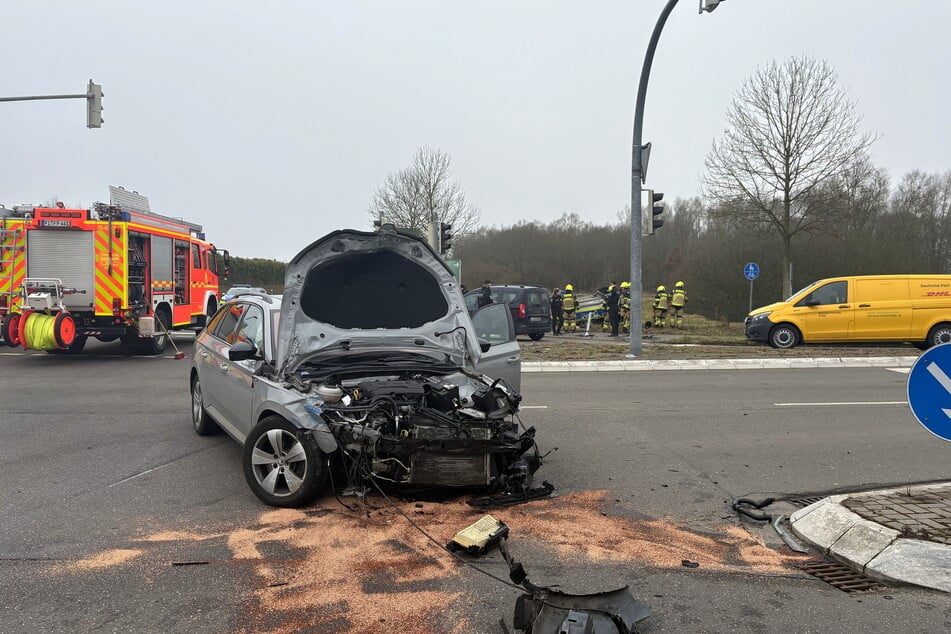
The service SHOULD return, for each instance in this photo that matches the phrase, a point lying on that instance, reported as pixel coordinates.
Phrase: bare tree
(422, 193)
(791, 130)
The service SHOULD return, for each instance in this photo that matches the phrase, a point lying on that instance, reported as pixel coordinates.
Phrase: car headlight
(759, 317)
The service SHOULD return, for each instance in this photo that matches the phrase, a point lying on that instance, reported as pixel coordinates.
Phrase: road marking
(840, 403)
(12, 354)
(533, 407)
(899, 370)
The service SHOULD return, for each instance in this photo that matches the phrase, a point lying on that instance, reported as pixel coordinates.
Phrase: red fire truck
(115, 271)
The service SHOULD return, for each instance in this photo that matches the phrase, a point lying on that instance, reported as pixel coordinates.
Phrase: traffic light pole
(637, 174)
(93, 103)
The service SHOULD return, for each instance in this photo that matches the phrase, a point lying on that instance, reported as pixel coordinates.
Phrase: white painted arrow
(941, 378)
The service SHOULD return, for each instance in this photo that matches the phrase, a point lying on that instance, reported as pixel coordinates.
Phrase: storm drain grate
(843, 578)
(804, 502)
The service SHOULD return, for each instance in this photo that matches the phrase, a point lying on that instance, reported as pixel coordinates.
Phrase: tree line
(881, 227)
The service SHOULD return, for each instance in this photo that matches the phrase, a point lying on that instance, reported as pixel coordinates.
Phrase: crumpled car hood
(353, 289)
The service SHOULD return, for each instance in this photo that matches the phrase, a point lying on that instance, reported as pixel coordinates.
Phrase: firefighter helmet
(661, 288)
(569, 287)
(625, 285)
(679, 285)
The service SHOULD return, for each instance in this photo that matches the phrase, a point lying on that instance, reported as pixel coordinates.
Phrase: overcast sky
(272, 123)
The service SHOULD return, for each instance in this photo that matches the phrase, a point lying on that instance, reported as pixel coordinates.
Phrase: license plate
(534, 318)
(54, 223)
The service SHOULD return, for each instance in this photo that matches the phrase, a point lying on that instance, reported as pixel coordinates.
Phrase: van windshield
(801, 290)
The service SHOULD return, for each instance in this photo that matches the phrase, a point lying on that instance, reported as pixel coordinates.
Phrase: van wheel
(784, 336)
(939, 334)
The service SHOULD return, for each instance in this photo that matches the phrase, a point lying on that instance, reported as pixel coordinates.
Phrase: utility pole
(93, 97)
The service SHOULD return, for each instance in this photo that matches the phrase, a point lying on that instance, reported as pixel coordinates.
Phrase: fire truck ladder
(9, 247)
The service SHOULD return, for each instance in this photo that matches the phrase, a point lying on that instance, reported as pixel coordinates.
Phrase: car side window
(226, 327)
(216, 320)
(252, 328)
(492, 324)
(832, 293)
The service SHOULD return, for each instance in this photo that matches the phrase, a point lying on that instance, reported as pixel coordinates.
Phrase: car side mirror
(242, 351)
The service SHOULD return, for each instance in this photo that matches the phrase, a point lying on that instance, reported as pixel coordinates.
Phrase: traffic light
(652, 207)
(93, 105)
(445, 237)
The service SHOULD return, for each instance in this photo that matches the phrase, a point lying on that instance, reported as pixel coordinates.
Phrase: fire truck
(114, 271)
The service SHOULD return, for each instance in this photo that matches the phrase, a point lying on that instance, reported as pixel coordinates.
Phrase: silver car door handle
(512, 360)
(223, 367)
(203, 353)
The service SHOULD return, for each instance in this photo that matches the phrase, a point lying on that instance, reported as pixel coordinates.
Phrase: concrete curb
(630, 365)
(871, 548)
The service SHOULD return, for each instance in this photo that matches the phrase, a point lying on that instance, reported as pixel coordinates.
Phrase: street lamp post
(637, 177)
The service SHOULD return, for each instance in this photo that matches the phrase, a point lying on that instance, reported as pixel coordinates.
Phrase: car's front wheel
(282, 466)
(784, 336)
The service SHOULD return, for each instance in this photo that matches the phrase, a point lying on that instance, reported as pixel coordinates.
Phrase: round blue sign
(929, 390)
(751, 271)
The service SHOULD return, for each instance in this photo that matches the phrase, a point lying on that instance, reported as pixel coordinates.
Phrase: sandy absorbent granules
(330, 569)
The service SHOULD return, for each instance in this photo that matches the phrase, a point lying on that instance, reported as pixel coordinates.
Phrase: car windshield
(801, 290)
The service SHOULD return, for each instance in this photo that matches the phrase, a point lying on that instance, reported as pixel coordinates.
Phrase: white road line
(899, 370)
(840, 403)
(533, 407)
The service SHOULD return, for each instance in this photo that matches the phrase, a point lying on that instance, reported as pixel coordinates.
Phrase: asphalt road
(114, 516)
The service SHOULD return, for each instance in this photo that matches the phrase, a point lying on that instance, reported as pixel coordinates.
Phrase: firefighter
(557, 312)
(659, 316)
(677, 301)
(485, 294)
(625, 307)
(569, 304)
(614, 299)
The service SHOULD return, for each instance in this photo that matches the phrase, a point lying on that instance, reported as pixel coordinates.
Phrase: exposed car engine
(455, 430)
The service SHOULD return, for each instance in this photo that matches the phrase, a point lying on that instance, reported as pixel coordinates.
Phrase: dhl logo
(938, 294)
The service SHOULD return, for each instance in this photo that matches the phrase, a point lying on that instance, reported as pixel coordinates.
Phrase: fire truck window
(213, 262)
(196, 257)
(226, 328)
(252, 328)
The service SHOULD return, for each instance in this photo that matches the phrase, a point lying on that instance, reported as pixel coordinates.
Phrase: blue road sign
(929, 390)
(751, 271)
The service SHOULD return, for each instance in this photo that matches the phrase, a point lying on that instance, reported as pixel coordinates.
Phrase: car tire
(201, 421)
(274, 450)
(938, 335)
(536, 336)
(784, 336)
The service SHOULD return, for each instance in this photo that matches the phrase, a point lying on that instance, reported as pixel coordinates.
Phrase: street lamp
(639, 154)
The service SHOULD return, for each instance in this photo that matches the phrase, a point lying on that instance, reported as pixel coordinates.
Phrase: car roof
(270, 302)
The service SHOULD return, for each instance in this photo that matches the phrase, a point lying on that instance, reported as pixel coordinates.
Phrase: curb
(869, 547)
(633, 365)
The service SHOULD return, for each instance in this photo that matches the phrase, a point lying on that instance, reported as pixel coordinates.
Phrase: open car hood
(353, 290)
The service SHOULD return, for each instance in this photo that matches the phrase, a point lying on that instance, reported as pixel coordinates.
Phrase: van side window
(832, 293)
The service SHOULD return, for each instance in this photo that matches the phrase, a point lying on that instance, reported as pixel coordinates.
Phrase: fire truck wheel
(64, 330)
(79, 342)
(201, 421)
(11, 331)
(282, 465)
(107, 338)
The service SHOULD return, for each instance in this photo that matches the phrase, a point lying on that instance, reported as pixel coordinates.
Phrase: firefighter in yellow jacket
(570, 305)
(659, 313)
(677, 301)
(625, 306)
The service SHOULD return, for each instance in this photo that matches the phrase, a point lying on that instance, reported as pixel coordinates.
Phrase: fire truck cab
(115, 271)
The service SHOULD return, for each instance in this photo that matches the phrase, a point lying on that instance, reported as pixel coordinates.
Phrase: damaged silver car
(369, 369)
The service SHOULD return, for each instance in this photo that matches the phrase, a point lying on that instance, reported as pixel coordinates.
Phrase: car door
(826, 312)
(235, 395)
(503, 360)
(882, 309)
(211, 352)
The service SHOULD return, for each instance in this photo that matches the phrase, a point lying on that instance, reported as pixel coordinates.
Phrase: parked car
(417, 394)
(863, 308)
(236, 289)
(529, 305)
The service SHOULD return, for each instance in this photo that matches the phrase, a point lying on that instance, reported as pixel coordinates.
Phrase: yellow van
(864, 308)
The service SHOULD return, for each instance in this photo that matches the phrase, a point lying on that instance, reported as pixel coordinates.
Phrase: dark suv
(529, 305)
